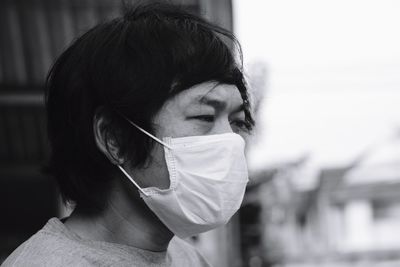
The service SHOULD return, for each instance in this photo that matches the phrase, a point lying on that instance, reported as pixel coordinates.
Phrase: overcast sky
(333, 84)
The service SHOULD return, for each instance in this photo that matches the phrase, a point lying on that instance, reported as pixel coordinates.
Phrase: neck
(126, 220)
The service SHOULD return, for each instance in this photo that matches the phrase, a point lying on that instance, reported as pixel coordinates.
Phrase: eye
(242, 125)
(204, 118)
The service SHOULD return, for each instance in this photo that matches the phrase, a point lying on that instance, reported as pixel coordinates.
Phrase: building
(351, 217)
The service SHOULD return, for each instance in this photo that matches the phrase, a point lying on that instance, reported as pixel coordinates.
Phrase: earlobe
(107, 145)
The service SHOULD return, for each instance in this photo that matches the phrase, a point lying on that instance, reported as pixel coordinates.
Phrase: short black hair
(130, 65)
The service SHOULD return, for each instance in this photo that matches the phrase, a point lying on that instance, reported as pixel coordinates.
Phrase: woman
(147, 116)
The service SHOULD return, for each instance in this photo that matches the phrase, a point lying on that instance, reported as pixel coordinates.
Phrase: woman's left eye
(205, 118)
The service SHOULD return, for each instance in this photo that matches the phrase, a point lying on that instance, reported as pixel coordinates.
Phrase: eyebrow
(218, 104)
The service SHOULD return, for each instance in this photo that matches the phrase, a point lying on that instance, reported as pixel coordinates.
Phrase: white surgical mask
(208, 176)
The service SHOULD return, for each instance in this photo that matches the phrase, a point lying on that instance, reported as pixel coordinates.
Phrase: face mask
(208, 176)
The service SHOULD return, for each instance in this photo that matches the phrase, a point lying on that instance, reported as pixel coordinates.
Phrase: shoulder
(39, 250)
(50, 247)
(182, 253)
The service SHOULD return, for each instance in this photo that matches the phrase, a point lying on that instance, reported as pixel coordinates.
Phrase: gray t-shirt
(56, 245)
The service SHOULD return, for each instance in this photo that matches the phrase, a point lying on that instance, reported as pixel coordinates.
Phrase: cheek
(160, 175)
(167, 122)
(155, 172)
(177, 126)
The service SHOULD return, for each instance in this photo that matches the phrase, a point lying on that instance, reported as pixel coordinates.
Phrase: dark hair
(130, 66)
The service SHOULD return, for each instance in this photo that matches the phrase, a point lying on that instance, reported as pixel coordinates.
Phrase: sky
(332, 85)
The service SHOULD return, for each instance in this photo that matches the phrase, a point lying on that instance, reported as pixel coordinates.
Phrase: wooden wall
(32, 34)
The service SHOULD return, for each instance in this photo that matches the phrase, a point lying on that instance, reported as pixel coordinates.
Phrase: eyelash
(242, 124)
(205, 118)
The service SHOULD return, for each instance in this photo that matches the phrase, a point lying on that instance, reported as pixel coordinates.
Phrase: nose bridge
(222, 125)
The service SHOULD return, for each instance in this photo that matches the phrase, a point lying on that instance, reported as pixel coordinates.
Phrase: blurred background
(325, 157)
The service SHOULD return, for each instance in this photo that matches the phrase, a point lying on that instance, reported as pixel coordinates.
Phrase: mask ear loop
(131, 179)
(151, 136)
(147, 133)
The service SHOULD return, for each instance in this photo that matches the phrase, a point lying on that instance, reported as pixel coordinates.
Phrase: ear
(104, 141)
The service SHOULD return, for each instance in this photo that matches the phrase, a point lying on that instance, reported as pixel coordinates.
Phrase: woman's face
(205, 109)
